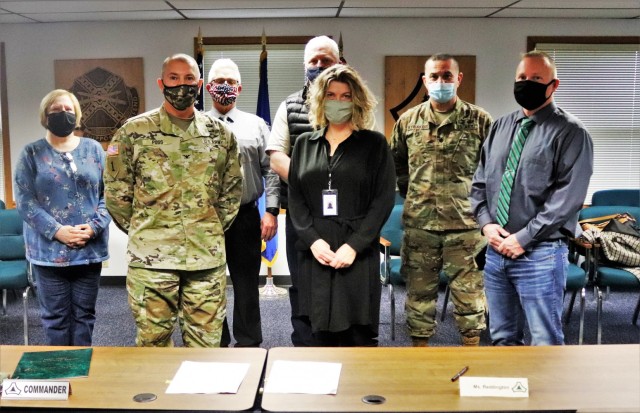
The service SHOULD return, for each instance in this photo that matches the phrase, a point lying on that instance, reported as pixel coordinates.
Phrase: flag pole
(200, 61)
(269, 290)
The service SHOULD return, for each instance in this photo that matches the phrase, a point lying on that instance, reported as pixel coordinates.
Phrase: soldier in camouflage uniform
(173, 183)
(436, 148)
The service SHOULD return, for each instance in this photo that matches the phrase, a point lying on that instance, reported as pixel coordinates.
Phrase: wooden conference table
(599, 379)
(583, 378)
(117, 374)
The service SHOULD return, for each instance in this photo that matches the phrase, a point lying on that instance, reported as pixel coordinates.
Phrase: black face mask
(529, 94)
(181, 96)
(61, 124)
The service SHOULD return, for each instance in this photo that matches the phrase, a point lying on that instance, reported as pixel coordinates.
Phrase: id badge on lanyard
(329, 202)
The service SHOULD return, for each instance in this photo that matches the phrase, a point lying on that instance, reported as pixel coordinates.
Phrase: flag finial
(200, 43)
(264, 40)
(341, 50)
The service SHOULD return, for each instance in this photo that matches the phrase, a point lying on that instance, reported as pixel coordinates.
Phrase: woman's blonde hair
(363, 100)
(48, 100)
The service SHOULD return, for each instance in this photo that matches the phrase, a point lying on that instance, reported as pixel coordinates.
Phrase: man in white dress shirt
(243, 239)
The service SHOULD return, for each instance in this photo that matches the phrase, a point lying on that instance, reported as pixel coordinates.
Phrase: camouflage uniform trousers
(424, 255)
(158, 298)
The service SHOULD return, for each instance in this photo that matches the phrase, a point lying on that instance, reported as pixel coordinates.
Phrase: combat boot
(471, 341)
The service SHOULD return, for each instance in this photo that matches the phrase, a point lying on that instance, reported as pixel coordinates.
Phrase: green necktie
(504, 197)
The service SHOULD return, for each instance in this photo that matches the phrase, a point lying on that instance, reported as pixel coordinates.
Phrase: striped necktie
(506, 185)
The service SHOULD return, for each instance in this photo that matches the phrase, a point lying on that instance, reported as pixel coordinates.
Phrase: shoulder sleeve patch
(113, 149)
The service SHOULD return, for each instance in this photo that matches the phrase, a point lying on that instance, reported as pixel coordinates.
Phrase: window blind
(285, 72)
(600, 84)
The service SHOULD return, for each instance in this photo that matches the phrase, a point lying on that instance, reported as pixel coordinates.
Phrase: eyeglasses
(222, 80)
(69, 159)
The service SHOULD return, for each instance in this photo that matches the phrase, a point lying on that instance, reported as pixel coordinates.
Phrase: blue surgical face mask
(313, 72)
(442, 92)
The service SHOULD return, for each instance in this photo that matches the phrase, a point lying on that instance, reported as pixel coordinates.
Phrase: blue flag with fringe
(269, 248)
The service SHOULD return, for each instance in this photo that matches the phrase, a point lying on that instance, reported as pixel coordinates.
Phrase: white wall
(497, 43)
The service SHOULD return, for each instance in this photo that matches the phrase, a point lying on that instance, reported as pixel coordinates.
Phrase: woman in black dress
(341, 191)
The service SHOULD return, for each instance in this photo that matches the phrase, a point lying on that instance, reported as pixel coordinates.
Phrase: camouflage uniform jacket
(435, 164)
(174, 192)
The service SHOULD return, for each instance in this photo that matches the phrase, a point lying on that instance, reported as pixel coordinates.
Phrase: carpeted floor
(115, 327)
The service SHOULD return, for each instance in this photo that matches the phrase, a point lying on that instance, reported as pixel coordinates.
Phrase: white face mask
(338, 111)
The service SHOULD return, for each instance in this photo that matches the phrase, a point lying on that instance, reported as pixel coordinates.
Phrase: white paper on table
(307, 377)
(208, 377)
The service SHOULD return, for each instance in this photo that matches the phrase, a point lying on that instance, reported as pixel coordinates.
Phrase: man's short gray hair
(320, 41)
(224, 63)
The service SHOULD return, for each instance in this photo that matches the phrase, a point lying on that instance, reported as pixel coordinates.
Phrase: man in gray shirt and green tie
(531, 182)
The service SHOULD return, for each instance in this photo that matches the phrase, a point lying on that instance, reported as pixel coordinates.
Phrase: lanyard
(332, 161)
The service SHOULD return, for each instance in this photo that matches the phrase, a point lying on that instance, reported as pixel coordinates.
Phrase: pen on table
(460, 373)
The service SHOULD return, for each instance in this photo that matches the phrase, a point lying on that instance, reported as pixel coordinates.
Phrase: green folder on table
(48, 365)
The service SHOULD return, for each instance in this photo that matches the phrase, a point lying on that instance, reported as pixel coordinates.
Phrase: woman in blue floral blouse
(59, 194)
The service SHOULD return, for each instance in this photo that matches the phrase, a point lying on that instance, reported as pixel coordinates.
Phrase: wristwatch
(273, 211)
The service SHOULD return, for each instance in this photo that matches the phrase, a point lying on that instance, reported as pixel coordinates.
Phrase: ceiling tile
(450, 4)
(569, 13)
(40, 6)
(105, 16)
(578, 4)
(253, 4)
(415, 12)
(258, 13)
(13, 18)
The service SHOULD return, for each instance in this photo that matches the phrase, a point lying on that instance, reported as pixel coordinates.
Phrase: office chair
(13, 264)
(627, 197)
(605, 274)
(577, 281)
(612, 277)
(390, 243)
